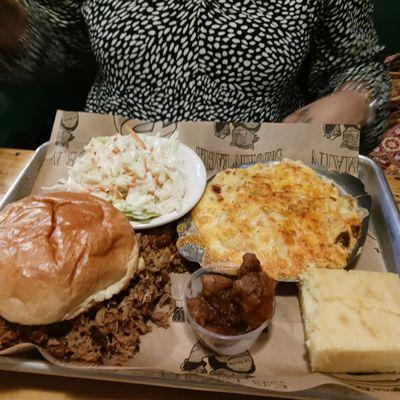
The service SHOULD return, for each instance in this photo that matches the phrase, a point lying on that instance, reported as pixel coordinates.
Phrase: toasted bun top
(60, 254)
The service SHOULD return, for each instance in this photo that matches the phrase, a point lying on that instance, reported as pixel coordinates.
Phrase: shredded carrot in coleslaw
(139, 175)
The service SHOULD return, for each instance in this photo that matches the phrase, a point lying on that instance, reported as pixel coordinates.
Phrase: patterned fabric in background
(217, 60)
(387, 154)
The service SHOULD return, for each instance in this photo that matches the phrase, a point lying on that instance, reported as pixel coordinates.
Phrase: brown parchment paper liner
(278, 361)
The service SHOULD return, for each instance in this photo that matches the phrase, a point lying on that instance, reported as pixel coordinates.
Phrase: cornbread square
(351, 320)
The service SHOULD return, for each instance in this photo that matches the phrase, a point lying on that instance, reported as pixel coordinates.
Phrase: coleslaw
(140, 176)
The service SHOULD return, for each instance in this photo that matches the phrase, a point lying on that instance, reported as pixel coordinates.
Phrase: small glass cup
(221, 344)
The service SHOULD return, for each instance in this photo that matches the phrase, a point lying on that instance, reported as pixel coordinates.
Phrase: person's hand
(338, 108)
(13, 22)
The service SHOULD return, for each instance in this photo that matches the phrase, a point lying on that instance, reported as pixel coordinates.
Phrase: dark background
(27, 113)
(387, 22)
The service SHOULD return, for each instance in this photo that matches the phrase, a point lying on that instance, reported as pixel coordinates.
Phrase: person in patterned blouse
(313, 61)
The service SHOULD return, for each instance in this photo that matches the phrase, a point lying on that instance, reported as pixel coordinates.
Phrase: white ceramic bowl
(196, 180)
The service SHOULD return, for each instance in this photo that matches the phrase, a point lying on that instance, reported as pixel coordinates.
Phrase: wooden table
(11, 163)
(17, 386)
(394, 183)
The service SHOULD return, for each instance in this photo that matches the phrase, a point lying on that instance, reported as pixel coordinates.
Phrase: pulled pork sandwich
(60, 254)
(72, 281)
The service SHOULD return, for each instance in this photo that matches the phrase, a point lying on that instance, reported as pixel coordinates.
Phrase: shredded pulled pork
(110, 332)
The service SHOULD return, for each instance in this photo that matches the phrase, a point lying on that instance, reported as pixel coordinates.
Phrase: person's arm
(347, 72)
(13, 22)
(40, 39)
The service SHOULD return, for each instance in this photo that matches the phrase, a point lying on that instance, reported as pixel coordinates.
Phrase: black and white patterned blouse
(222, 60)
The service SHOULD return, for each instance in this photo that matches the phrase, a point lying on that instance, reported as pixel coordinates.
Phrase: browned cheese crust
(285, 214)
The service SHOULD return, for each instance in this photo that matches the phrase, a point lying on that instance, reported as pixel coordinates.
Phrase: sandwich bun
(60, 254)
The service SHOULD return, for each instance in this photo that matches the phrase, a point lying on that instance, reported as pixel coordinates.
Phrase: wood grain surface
(18, 386)
(11, 163)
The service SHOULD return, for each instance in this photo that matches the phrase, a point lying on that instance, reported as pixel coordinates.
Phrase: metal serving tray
(384, 219)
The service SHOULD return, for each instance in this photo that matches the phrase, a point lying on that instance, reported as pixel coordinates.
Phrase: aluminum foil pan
(346, 184)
